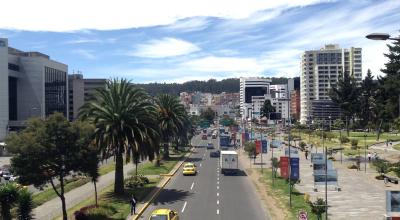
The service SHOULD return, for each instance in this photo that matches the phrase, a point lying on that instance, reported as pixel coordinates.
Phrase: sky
(183, 40)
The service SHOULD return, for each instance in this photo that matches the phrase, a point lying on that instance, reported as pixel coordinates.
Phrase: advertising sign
(294, 152)
(332, 178)
(392, 201)
(276, 143)
(317, 158)
(243, 138)
(264, 144)
(294, 168)
(284, 166)
(258, 146)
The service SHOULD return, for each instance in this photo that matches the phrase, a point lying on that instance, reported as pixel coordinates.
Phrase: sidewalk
(52, 208)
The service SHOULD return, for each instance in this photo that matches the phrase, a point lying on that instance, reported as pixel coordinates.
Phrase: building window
(55, 91)
(13, 67)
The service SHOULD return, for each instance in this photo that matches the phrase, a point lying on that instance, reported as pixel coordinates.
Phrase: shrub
(354, 143)
(302, 145)
(330, 135)
(352, 166)
(136, 181)
(25, 205)
(344, 139)
(382, 166)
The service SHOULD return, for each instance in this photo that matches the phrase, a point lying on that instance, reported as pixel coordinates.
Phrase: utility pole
(290, 167)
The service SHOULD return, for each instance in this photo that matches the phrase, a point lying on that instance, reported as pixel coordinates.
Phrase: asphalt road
(209, 195)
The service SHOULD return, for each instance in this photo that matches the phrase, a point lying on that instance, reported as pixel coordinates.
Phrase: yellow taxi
(164, 214)
(189, 169)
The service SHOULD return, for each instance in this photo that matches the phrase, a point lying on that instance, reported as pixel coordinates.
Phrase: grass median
(49, 194)
(280, 191)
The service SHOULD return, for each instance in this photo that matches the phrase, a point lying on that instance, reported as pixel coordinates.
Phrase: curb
(161, 187)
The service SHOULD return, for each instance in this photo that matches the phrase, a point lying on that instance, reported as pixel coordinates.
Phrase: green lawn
(48, 194)
(280, 191)
(112, 206)
(148, 168)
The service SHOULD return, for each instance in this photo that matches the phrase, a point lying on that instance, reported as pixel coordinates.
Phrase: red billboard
(258, 146)
(284, 166)
(243, 138)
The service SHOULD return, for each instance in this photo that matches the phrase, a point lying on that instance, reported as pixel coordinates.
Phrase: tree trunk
(136, 166)
(379, 130)
(5, 211)
(166, 151)
(347, 127)
(95, 192)
(119, 173)
(63, 205)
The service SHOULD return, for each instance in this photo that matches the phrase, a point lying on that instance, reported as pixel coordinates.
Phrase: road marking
(218, 202)
(217, 194)
(200, 165)
(217, 211)
(192, 186)
(218, 178)
(184, 206)
(217, 187)
(217, 182)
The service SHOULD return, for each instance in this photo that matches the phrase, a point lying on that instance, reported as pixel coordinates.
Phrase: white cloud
(222, 64)
(189, 24)
(82, 41)
(121, 14)
(88, 54)
(166, 47)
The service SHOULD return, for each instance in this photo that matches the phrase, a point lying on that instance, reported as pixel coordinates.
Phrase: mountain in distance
(230, 85)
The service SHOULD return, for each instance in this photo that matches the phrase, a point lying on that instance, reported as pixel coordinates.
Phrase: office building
(320, 71)
(31, 85)
(249, 87)
(80, 91)
(295, 104)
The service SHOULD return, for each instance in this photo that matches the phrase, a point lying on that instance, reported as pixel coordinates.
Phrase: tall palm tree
(121, 114)
(171, 119)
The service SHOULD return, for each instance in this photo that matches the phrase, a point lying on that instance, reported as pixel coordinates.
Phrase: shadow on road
(171, 196)
(193, 159)
(259, 163)
(238, 173)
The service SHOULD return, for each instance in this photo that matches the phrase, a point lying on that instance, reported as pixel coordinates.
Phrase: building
(320, 71)
(249, 87)
(31, 85)
(80, 90)
(295, 104)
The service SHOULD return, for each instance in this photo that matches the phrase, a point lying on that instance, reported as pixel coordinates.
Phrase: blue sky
(182, 40)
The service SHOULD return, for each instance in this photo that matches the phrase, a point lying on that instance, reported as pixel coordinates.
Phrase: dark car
(215, 153)
(210, 146)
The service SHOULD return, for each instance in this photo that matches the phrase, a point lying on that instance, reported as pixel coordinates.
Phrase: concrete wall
(3, 88)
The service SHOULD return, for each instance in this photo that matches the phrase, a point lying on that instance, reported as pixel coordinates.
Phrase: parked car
(210, 146)
(164, 214)
(7, 175)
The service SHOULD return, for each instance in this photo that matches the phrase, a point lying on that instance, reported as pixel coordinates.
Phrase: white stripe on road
(184, 206)
(217, 194)
(217, 211)
(192, 186)
(200, 165)
(217, 182)
(218, 202)
(217, 187)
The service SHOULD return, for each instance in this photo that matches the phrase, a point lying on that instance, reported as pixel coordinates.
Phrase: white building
(249, 87)
(320, 71)
(31, 84)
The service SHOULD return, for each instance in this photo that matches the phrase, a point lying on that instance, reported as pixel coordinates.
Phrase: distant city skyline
(179, 42)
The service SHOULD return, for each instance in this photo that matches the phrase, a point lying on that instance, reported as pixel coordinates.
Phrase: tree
(267, 108)
(8, 197)
(46, 150)
(208, 114)
(367, 100)
(25, 205)
(123, 116)
(345, 94)
(171, 117)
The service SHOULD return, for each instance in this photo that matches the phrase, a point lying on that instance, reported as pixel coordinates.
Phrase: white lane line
(217, 211)
(192, 186)
(200, 165)
(218, 202)
(184, 206)
(217, 187)
(218, 178)
(217, 194)
(217, 182)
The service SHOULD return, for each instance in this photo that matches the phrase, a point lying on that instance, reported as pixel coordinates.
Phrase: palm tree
(8, 196)
(121, 114)
(25, 205)
(171, 119)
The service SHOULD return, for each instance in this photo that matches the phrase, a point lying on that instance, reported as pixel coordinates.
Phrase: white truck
(229, 162)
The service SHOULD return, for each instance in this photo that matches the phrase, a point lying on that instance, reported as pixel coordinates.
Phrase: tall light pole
(384, 36)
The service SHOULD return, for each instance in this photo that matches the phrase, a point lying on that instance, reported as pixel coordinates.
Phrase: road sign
(303, 215)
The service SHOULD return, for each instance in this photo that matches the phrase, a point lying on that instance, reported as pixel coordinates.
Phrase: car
(189, 169)
(215, 153)
(7, 175)
(164, 214)
(13, 178)
(210, 146)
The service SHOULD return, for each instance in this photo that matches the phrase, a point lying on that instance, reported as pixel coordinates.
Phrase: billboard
(284, 166)
(258, 146)
(294, 152)
(294, 168)
(264, 144)
(392, 201)
(276, 143)
(332, 178)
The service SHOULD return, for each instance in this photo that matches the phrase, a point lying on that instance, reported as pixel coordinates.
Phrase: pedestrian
(306, 154)
(133, 205)
(369, 157)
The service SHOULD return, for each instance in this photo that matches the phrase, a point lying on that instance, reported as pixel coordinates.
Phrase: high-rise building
(250, 87)
(80, 91)
(31, 85)
(295, 104)
(320, 71)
